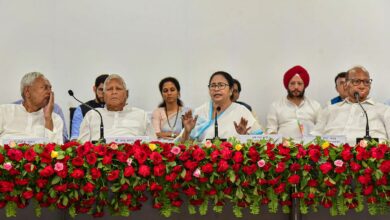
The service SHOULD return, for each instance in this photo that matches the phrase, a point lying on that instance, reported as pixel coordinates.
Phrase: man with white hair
(34, 117)
(347, 117)
(119, 118)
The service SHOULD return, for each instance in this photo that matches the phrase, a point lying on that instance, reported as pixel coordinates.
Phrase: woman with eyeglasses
(166, 119)
(233, 119)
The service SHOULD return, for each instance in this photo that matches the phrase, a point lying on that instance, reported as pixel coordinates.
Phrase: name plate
(127, 139)
(337, 140)
(25, 140)
(259, 137)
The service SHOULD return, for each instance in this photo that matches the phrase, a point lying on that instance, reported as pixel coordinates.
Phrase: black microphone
(367, 137)
(216, 122)
(101, 140)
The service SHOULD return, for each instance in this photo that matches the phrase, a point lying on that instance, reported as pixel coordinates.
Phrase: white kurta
(347, 118)
(16, 122)
(289, 120)
(130, 121)
(204, 128)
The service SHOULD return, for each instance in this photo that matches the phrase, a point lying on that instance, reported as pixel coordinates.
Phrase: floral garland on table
(93, 178)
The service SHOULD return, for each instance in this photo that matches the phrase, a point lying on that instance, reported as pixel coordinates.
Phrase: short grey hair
(114, 76)
(28, 80)
(355, 69)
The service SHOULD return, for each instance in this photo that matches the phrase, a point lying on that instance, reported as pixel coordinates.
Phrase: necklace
(177, 113)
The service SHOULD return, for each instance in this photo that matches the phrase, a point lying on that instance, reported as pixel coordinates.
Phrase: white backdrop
(256, 41)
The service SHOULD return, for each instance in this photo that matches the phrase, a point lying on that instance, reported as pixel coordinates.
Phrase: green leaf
(239, 193)
(55, 180)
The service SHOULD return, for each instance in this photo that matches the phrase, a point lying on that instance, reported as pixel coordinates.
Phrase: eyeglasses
(218, 86)
(357, 82)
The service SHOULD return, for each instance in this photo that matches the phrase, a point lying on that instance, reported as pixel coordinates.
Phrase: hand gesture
(189, 121)
(242, 128)
(48, 109)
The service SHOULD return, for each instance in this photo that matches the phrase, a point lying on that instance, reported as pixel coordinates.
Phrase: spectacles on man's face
(357, 82)
(216, 86)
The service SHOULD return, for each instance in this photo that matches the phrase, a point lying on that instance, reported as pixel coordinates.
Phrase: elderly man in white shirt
(34, 117)
(347, 117)
(119, 119)
(295, 115)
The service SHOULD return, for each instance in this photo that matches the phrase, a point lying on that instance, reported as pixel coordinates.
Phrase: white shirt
(204, 128)
(289, 120)
(347, 118)
(130, 121)
(16, 122)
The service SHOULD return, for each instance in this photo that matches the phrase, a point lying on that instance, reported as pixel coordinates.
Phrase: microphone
(367, 137)
(216, 122)
(101, 140)
(217, 110)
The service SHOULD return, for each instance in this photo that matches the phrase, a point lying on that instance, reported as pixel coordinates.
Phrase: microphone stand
(367, 137)
(102, 139)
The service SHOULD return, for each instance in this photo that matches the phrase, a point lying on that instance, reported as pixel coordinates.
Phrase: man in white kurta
(204, 128)
(34, 117)
(16, 122)
(347, 117)
(295, 115)
(130, 121)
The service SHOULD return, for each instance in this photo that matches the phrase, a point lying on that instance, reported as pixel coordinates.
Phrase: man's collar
(367, 101)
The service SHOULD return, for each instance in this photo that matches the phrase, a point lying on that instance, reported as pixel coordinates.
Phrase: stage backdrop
(256, 41)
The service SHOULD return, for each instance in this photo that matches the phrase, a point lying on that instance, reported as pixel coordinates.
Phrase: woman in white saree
(233, 119)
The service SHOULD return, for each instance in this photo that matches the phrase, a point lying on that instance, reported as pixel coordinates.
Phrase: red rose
(144, 170)
(155, 187)
(177, 203)
(88, 187)
(314, 155)
(171, 177)
(95, 173)
(91, 158)
(29, 167)
(21, 182)
(121, 156)
(280, 188)
(140, 155)
(226, 153)
(346, 154)
(185, 156)
(47, 171)
(177, 169)
(207, 168)
(77, 174)
(355, 167)
(100, 150)
(340, 169)
(191, 165)
(331, 192)
(39, 196)
(295, 167)
(364, 179)
(253, 154)
(113, 175)
(157, 205)
(61, 188)
(367, 190)
(1, 159)
(141, 187)
(238, 157)
(190, 191)
(42, 183)
(385, 166)
(129, 171)
(198, 154)
(214, 156)
(107, 159)
(84, 149)
(294, 179)
(6, 186)
(222, 166)
(78, 161)
(378, 153)
(280, 167)
(15, 154)
(312, 183)
(159, 170)
(326, 167)
(382, 181)
(249, 170)
(29, 155)
(307, 167)
(156, 158)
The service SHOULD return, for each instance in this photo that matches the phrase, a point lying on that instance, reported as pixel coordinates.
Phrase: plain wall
(73, 41)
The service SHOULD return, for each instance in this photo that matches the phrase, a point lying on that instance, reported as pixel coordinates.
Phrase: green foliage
(237, 211)
(10, 209)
